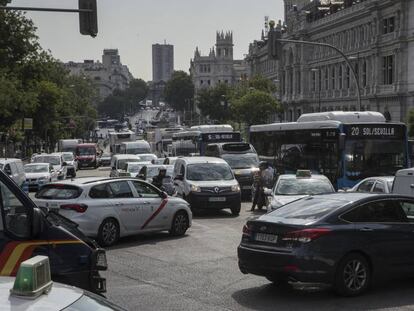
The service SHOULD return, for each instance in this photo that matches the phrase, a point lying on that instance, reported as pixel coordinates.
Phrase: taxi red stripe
(159, 209)
(7, 251)
(27, 254)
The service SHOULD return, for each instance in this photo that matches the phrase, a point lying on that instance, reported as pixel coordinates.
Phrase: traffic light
(88, 21)
(273, 43)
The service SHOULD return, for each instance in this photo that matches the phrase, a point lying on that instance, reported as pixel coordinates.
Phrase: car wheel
(108, 233)
(179, 224)
(235, 210)
(353, 275)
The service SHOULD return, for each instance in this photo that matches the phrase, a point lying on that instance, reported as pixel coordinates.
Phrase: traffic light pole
(340, 52)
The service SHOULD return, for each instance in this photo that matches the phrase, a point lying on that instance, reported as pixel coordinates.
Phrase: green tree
(215, 102)
(179, 91)
(256, 107)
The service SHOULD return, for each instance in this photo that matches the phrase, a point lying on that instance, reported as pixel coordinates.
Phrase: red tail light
(246, 230)
(79, 208)
(306, 235)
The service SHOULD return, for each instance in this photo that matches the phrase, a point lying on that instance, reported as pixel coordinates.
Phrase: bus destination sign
(221, 137)
(376, 131)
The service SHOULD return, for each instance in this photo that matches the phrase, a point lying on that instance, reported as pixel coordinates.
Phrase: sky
(132, 26)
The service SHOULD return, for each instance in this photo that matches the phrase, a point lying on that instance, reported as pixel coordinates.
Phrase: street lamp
(318, 70)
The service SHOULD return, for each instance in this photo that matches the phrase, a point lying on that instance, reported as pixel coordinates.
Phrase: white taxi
(108, 209)
(290, 187)
(33, 289)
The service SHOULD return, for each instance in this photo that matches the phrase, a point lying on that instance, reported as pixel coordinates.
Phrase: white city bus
(116, 138)
(345, 146)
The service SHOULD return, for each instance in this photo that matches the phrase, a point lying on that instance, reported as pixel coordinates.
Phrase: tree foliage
(34, 85)
(179, 91)
(121, 102)
(215, 102)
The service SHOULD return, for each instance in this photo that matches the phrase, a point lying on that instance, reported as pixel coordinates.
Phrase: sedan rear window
(311, 209)
(59, 192)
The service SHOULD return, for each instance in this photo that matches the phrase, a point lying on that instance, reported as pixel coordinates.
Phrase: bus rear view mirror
(342, 139)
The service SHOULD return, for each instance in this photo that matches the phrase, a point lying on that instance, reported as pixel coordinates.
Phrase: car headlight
(235, 188)
(195, 188)
(43, 179)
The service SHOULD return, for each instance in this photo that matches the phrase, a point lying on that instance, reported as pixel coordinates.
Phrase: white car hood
(37, 175)
(215, 183)
(285, 199)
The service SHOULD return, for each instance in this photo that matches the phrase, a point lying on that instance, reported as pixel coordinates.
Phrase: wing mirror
(37, 224)
(64, 164)
(179, 177)
(268, 192)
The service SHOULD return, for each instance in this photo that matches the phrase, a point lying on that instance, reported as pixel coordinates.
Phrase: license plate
(265, 237)
(217, 199)
(247, 187)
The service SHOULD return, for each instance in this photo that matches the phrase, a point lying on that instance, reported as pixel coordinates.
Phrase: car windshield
(209, 172)
(306, 186)
(54, 160)
(86, 151)
(147, 158)
(68, 157)
(36, 169)
(122, 164)
(134, 167)
(309, 209)
(137, 150)
(247, 160)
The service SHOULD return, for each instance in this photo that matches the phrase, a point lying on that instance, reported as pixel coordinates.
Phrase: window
(388, 69)
(366, 186)
(377, 212)
(408, 208)
(340, 78)
(16, 215)
(59, 192)
(145, 191)
(364, 74)
(314, 81)
(347, 77)
(388, 25)
(298, 82)
(379, 187)
(102, 191)
(121, 189)
(326, 79)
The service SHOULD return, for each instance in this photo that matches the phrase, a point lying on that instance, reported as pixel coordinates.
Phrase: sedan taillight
(306, 235)
(79, 208)
(247, 231)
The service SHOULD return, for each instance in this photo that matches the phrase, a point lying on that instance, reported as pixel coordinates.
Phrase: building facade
(162, 62)
(108, 75)
(374, 34)
(219, 66)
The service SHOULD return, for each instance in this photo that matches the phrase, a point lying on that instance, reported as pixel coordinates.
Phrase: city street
(199, 272)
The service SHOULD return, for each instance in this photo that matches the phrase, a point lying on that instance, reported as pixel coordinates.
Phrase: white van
(135, 147)
(14, 168)
(404, 182)
(119, 164)
(207, 183)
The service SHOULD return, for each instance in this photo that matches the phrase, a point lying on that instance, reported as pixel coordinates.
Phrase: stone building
(377, 37)
(107, 75)
(219, 65)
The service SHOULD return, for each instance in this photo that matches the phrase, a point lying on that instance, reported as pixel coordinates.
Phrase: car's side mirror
(37, 223)
(64, 164)
(267, 191)
(113, 168)
(179, 177)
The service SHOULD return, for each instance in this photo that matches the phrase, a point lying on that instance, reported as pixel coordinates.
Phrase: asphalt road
(199, 272)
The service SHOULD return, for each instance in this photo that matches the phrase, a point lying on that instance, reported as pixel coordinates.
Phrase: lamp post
(318, 70)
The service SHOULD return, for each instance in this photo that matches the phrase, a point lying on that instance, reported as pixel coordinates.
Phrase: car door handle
(119, 204)
(366, 229)
(146, 202)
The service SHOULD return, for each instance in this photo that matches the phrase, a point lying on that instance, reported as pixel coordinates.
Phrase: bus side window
(16, 216)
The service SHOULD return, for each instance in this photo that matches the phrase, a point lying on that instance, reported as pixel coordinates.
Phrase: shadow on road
(393, 294)
(212, 214)
(145, 239)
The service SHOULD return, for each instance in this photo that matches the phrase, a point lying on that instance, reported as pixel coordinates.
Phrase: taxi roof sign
(33, 278)
(303, 174)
